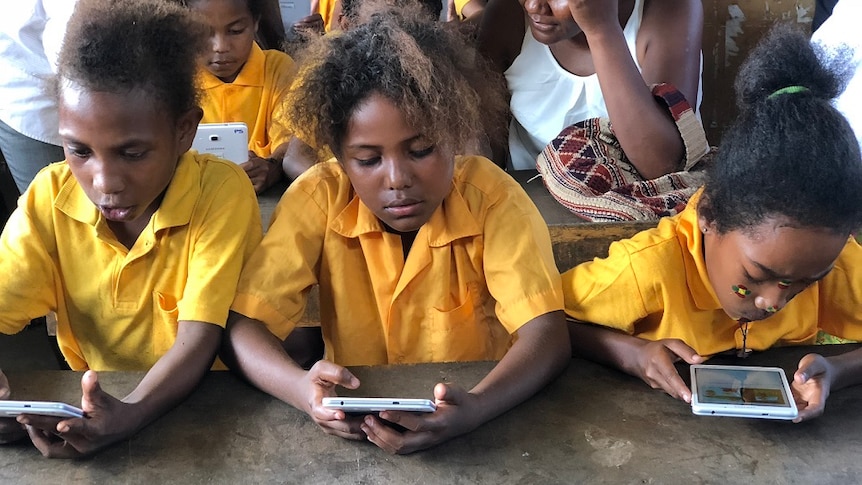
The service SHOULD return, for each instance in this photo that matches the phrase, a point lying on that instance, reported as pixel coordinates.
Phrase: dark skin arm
(668, 47)
(256, 354)
(109, 419)
(537, 356)
(816, 376)
(651, 361)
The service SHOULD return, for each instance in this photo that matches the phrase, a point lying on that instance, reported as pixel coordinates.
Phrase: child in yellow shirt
(763, 256)
(135, 242)
(242, 82)
(420, 256)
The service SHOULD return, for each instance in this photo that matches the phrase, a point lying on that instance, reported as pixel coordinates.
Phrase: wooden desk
(592, 425)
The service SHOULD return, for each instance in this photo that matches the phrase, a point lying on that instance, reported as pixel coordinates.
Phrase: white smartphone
(741, 391)
(377, 404)
(224, 140)
(10, 409)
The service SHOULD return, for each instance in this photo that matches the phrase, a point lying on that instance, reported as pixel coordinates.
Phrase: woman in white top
(583, 59)
(31, 32)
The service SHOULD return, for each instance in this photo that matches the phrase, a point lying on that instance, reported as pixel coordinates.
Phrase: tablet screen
(756, 387)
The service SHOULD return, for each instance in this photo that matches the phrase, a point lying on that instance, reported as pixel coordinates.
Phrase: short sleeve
(840, 294)
(226, 232)
(274, 285)
(605, 291)
(29, 284)
(518, 260)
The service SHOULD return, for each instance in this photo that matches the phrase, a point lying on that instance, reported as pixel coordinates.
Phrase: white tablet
(10, 409)
(377, 404)
(224, 140)
(741, 391)
(292, 11)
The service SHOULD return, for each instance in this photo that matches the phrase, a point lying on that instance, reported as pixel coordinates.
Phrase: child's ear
(705, 220)
(187, 127)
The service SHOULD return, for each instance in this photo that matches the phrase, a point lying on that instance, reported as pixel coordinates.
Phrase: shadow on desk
(592, 425)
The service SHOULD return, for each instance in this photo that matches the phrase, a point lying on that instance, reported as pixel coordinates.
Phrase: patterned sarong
(585, 169)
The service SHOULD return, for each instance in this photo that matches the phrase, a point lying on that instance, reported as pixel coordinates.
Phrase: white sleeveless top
(547, 98)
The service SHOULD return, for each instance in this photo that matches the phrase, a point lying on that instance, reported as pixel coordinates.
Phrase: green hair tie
(788, 90)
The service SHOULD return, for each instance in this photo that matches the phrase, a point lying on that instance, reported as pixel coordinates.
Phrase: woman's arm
(668, 44)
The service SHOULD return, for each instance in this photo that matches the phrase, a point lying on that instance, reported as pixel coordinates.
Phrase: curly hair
(790, 155)
(255, 7)
(349, 8)
(119, 45)
(425, 67)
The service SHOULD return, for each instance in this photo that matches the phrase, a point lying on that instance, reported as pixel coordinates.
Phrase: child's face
(756, 272)
(231, 35)
(397, 173)
(122, 148)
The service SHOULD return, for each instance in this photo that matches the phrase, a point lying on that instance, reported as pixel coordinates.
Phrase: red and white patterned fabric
(585, 169)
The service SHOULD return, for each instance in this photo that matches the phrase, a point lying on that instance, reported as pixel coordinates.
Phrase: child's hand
(321, 380)
(10, 430)
(655, 366)
(262, 172)
(107, 420)
(811, 384)
(456, 414)
(311, 24)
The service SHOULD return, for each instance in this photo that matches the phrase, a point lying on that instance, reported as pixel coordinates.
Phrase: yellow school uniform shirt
(655, 286)
(326, 9)
(478, 270)
(118, 308)
(255, 97)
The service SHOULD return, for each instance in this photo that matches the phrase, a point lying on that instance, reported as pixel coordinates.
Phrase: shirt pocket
(462, 333)
(165, 315)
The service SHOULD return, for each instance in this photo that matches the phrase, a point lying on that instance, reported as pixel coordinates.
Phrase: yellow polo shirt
(655, 286)
(326, 9)
(255, 97)
(478, 270)
(118, 308)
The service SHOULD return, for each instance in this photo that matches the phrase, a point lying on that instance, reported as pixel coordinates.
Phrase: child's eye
(78, 152)
(133, 155)
(366, 162)
(235, 31)
(751, 279)
(422, 153)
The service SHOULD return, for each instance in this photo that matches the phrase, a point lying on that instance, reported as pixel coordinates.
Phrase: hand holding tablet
(741, 391)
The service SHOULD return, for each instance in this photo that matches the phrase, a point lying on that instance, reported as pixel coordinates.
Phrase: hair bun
(784, 59)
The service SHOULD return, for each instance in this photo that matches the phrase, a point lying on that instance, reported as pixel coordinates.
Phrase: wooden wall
(730, 30)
